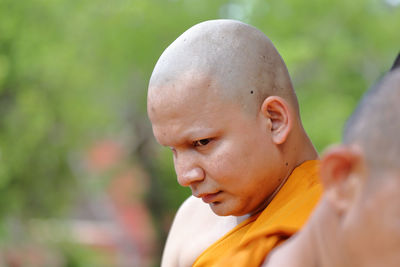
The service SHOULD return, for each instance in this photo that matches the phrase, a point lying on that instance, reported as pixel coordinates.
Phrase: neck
(308, 150)
(304, 151)
(308, 153)
(240, 219)
(299, 148)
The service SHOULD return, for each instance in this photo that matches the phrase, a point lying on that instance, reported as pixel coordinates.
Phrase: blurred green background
(82, 182)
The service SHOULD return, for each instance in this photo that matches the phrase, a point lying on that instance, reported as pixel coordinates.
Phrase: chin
(222, 209)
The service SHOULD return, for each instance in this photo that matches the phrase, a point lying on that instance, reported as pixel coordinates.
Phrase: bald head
(235, 59)
(375, 125)
(221, 98)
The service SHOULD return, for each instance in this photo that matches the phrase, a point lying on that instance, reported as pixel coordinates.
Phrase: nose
(187, 171)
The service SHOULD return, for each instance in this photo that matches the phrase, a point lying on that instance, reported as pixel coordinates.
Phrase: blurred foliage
(80, 256)
(75, 71)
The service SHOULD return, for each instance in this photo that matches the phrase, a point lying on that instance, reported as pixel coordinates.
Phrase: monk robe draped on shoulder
(249, 242)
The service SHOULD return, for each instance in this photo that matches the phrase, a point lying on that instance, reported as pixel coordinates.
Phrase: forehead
(188, 105)
(175, 91)
(191, 92)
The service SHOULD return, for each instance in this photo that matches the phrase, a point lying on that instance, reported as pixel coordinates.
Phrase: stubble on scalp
(375, 125)
(237, 61)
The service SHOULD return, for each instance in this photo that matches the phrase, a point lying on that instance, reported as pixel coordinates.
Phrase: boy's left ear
(342, 174)
(276, 110)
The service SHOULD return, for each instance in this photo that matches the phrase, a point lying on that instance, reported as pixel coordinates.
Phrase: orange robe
(249, 243)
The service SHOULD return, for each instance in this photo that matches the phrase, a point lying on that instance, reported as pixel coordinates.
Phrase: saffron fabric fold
(249, 243)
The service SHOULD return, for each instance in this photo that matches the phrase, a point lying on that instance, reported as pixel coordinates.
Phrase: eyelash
(200, 143)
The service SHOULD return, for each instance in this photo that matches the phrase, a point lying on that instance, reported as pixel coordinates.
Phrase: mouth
(209, 198)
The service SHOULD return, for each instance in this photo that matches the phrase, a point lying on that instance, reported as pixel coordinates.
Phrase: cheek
(228, 160)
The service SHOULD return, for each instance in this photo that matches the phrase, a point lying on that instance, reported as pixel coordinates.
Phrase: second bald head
(375, 125)
(236, 60)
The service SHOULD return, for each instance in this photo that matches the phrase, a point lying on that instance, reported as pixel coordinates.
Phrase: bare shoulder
(292, 253)
(280, 257)
(195, 228)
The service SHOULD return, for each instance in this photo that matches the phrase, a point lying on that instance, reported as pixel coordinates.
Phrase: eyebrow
(192, 135)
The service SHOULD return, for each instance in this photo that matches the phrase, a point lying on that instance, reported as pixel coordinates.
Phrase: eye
(201, 142)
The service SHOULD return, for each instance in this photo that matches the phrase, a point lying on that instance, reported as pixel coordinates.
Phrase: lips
(209, 198)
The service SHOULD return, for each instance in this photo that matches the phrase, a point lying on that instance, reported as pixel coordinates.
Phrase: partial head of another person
(221, 98)
(362, 182)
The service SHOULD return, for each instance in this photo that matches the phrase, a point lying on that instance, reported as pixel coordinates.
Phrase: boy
(221, 98)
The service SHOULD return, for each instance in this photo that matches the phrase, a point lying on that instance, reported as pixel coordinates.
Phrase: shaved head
(375, 125)
(220, 97)
(236, 60)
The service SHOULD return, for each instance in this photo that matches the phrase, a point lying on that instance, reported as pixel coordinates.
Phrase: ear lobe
(342, 176)
(276, 110)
